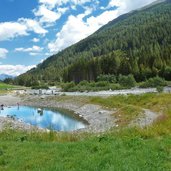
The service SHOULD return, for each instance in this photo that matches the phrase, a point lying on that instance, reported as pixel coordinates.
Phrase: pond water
(43, 118)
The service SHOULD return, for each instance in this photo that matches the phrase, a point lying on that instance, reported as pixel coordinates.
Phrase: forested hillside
(137, 43)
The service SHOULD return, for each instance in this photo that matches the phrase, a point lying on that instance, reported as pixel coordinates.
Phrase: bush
(83, 83)
(68, 86)
(108, 78)
(102, 84)
(154, 82)
(160, 89)
(92, 84)
(115, 87)
(127, 81)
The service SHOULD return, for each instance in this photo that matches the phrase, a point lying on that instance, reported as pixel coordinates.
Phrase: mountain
(137, 43)
(4, 76)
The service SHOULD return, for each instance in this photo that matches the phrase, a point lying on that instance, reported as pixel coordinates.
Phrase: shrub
(102, 84)
(83, 83)
(127, 81)
(68, 86)
(115, 87)
(160, 89)
(108, 78)
(154, 82)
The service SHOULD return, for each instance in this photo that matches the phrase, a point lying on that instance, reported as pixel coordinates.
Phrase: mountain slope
(138, 42)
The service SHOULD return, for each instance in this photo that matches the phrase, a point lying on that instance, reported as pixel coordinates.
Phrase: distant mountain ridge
(137, 43)
(4, 76)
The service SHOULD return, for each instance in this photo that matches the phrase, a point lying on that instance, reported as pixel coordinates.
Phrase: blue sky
(32, 30)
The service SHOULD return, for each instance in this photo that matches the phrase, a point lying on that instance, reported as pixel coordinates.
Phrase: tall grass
(116, 150)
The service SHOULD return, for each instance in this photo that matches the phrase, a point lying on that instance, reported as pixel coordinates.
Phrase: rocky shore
(98, 119)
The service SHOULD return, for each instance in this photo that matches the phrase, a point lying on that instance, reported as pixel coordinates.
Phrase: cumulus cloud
(33, 54)
(35, 40)
(76, 28)
(3, 52)
(10, 30)
(53, 3)
(33, 25)
(127, 5)
(14, 70)
(32, 49)
(47, 15)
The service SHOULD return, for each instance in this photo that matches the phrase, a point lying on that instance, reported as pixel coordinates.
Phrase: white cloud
(76, 29)
(127, 5)
(33, 54)
(33, 25)
(32, 49)
(14, 70)
(10, 30)
(35, 40)
(47, 15)
(3, 52)
(52, 3)
(48, 54)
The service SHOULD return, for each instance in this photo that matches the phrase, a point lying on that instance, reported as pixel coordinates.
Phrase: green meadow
(5, 86)
(120, 149)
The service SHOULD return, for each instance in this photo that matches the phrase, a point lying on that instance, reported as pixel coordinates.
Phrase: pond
(43, 118)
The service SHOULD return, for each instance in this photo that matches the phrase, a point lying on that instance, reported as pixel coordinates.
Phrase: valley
(85, 85)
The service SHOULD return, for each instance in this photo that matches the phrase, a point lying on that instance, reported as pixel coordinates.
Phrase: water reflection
(43, 118)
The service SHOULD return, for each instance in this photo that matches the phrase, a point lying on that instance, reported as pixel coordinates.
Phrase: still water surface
(43, 118)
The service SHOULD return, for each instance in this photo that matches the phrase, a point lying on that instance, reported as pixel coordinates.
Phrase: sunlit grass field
(120, 149)
(5, 86)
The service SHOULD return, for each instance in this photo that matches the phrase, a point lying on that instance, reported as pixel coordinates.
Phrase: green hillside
(137, 43)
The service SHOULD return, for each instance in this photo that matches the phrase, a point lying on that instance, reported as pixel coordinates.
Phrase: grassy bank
(120, 149)
(4, 86)
(130, 106)
(127, 150)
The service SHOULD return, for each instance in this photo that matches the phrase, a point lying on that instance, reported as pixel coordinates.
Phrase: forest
(137, 43)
